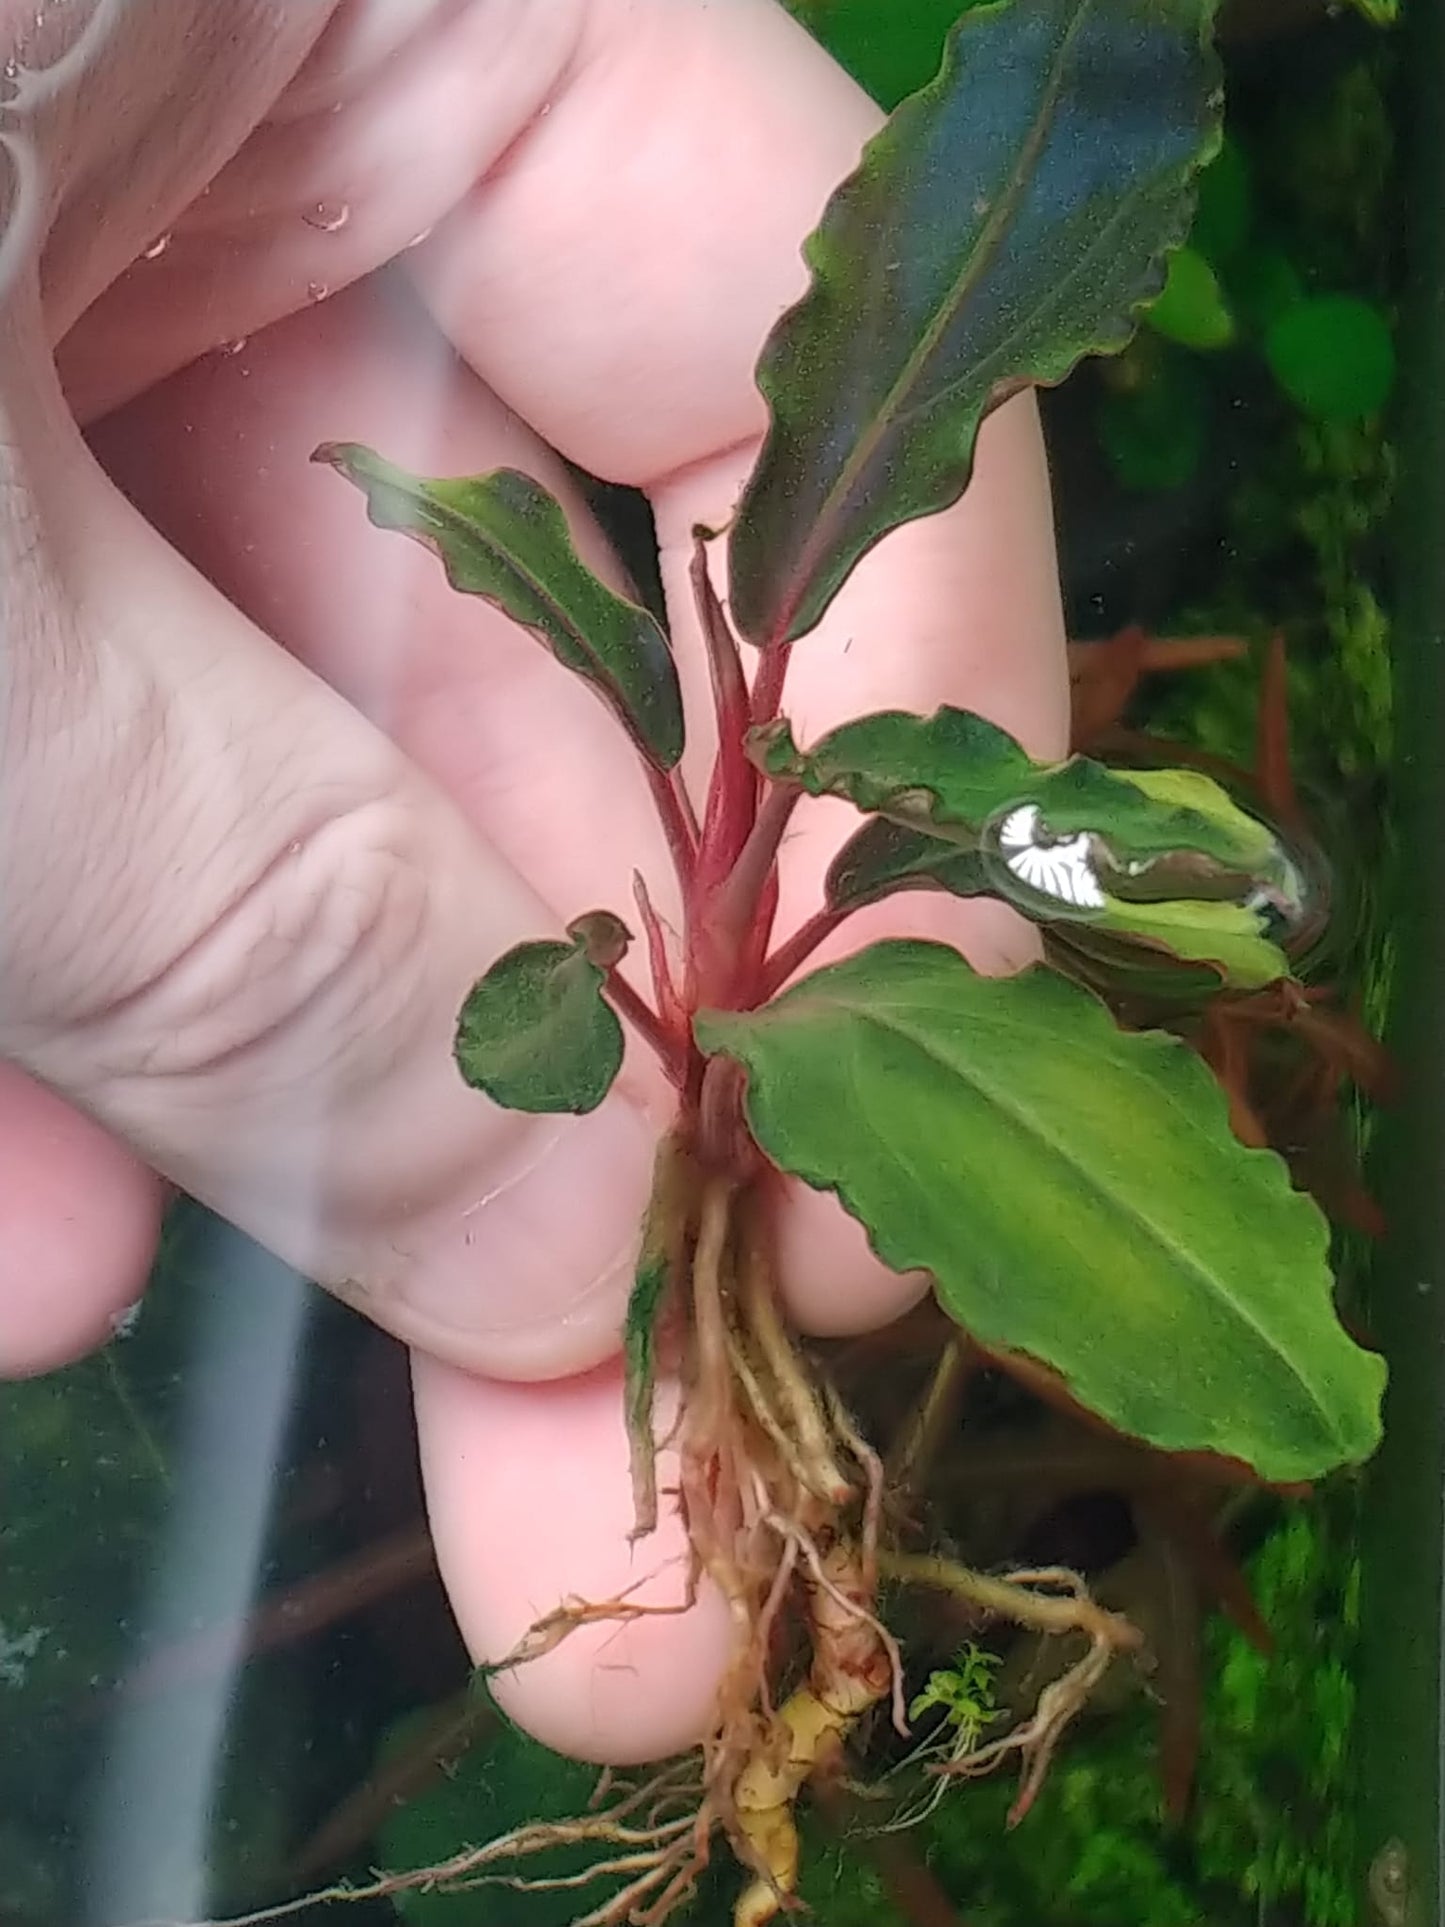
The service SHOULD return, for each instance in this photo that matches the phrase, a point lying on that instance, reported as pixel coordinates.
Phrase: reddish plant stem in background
(644, 1020)
(448, 1732)
(796, 951)
(291, 1613)
(1273, 771)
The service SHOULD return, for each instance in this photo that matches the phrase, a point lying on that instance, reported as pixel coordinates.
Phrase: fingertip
(835, 1284)
(529, 1495)
(79, 1221)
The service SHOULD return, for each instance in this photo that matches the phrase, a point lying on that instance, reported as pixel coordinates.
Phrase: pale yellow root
(852, 1670)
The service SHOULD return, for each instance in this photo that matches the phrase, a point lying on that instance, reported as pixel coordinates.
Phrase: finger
(530, 1502)
(79, 1220)
(218, 460)
(241, 940)
(725, 129)
(118, 113)
(398, 110)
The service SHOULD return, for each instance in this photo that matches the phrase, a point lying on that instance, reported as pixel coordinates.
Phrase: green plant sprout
(963, 1693)
(1072, 1188)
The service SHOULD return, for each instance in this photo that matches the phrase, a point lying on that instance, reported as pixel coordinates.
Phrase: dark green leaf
(535, 1033)
(884, 857)
(1225, 212)
(1010, 219)
(503, 537)
(1163, 858)
(1075, 1192)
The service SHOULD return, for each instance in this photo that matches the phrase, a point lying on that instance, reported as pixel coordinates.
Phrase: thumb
(239, 925)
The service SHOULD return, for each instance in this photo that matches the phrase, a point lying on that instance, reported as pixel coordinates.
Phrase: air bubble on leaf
(230, 348)
(317, 290)
(417, 239)
(328, 216)
(157, 248)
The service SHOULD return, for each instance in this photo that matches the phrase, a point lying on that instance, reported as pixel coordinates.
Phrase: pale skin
(274, 796)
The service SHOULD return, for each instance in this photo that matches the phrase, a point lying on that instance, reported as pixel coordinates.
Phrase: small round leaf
(535, 1033)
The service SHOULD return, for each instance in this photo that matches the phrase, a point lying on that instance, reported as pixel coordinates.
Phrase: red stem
(674, 811)
(729, 921)
(768, 683)
(669, 1004)
(788, 956)
(733, 791)
(685, 807)
(646, 1022)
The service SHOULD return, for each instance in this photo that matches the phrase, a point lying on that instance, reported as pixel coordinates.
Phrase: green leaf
(504, 1780)
(1225, 212)
(1008, 220)
(503, 537)
(1334, 356)
(639, 1353)
(1075, 1192)
(535, 1033)
(663, 1235)
(1161, 858)
(890, 49)
(1192, 309)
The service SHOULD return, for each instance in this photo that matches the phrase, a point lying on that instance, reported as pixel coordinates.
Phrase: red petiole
(727, 871)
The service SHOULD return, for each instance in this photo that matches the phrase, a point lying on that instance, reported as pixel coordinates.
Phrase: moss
(1271, 1834)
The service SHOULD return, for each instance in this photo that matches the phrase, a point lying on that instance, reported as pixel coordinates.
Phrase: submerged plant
(1073, 1188)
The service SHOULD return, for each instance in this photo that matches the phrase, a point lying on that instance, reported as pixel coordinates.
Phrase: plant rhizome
(1070, 1182)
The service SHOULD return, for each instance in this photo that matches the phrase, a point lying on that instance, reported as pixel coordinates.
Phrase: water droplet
(417, 239)
(328, 216)
(316, 290)
(157, 248)
(234, 347)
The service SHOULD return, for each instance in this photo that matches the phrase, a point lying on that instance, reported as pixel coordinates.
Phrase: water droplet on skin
(417, 239)
(316, 290)
(328, 216)
(157, 248)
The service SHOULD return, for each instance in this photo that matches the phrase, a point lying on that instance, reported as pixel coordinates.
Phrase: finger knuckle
(321, 944)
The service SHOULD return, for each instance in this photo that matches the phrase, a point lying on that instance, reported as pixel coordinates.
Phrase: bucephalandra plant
(1071, 1187)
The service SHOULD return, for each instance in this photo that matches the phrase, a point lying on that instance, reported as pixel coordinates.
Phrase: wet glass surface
(227, 1670)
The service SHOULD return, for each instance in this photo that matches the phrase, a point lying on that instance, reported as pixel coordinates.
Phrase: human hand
(271, 808)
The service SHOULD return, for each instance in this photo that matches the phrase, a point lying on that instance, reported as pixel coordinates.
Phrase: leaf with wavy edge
(1012, 217)
(1075, 1192)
